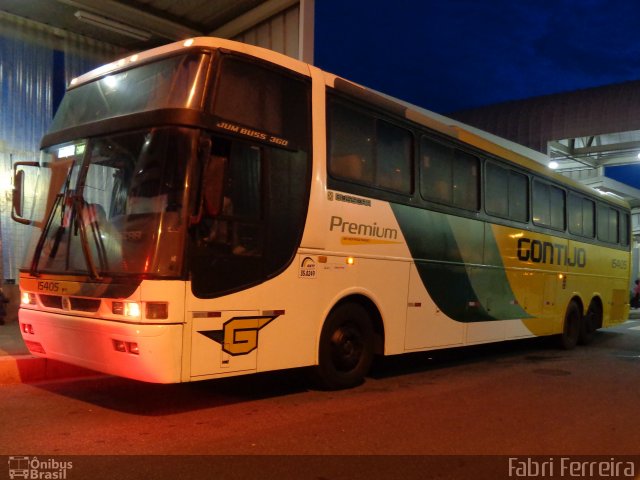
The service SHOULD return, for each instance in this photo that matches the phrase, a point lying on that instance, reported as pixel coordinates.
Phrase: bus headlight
(28, 298)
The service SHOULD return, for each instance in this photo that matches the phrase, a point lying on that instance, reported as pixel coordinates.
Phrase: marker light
(351, 260)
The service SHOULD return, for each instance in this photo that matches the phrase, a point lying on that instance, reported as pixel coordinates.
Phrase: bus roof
(488, 142)
(519, 154)
(205, 42)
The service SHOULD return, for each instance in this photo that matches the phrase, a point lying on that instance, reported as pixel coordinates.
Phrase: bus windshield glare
(115, 204)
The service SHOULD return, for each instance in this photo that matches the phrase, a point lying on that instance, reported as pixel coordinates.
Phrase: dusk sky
(450, 55)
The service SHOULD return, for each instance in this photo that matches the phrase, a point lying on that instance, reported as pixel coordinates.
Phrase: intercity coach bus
(209, 208)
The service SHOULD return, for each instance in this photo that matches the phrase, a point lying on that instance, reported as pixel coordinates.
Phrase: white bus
(209, 208)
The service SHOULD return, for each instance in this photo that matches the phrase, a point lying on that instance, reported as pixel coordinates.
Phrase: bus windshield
(110, 201)
(175, 82)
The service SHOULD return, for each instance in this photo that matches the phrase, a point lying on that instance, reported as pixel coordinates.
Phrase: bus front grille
(73, 303)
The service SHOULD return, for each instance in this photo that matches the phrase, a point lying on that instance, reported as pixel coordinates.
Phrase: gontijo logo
(537, 251)
(239, 335)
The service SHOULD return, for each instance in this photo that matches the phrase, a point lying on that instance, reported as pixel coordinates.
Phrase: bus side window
(548, 205)
(347, 166)
(393, 157)
(465, 181)
(607, 221)
(351, 141)
(436, 177)
(580, 215)
(263, 99)
(497, 183)
(624, 229)
(506, 194)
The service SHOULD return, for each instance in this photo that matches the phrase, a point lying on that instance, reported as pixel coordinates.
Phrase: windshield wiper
(76, 225)
(75, 201)
(43, 237)
(78, 205)
(59, 202)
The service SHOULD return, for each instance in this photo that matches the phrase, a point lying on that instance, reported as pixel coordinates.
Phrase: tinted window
(436, 181)
(351, 144)
(518, 197)
(465, 181)
(580, 215)
(175, 82)
(270, 103)
(607, 224)
(393, 154)
(496, 196)
(507, 193)
(370, 151)
(448, 175)
(548, 205)
(624, 229)
(257, 229)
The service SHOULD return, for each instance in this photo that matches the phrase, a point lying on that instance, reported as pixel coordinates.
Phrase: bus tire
(568, 339)
(345, 351)
(590, 323)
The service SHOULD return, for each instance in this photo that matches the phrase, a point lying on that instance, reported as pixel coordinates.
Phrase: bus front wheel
(346, 348)
(572, 326)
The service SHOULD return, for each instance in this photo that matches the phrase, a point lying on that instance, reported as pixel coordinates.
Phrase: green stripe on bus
(459, 264)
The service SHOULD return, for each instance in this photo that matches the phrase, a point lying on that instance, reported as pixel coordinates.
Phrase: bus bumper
(151, 353)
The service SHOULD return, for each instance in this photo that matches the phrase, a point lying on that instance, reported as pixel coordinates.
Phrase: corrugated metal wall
(279, 33)
(31, 56)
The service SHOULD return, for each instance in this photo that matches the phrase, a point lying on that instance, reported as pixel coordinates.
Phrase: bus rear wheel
(346, 348)
(572, 326)
(590, 323)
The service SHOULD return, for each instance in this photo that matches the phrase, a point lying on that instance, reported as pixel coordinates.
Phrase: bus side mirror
(17, 213)
(213, 185)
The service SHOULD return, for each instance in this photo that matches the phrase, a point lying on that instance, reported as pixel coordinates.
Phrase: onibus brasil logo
(34, 468)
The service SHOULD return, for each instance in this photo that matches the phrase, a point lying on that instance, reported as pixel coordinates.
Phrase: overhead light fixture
(112, 25)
